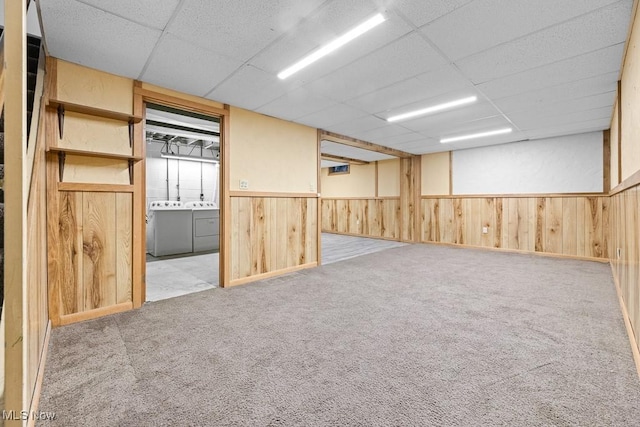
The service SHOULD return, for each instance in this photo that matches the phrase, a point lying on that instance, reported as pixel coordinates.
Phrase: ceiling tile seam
(481, 92)
(447, 14)
(564, 124)
(455, 67)
(164, 33)
(547, 64)
(305, 85)
(276, 40)
(572, 112)
(560, 101)
(557, 85)
(579, 123)
(118, 15)
(533, 32)
(364, 113)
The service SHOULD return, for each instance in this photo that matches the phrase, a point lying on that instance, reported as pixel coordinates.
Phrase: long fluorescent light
(433, 109)
(333, 45)
(477, 135)
(190, 159)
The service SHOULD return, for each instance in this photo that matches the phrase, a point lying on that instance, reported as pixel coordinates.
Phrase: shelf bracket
(130, 171)
(61, 119)
(61, 158)
(130, 133)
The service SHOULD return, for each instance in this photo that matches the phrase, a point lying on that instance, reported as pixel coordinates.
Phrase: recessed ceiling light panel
(477, 135)
(333, 45)
(433, 109)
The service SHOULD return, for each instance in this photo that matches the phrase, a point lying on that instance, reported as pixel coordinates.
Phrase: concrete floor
(170, 277)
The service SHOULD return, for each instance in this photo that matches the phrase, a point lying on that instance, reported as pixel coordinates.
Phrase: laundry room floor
(169, 277)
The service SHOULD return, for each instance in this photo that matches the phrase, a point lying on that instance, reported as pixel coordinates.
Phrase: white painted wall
(567, 164)
(189, 174)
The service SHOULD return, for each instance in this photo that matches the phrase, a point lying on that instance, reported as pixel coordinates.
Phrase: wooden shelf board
(93, 111)
(77, 152)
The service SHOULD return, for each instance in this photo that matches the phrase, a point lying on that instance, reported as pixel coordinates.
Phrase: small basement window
(337, 170)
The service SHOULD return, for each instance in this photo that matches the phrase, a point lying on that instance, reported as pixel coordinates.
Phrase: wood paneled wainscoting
(565, 225)
(272, 233)
(92, 253)
(368, 217)
(625, 256)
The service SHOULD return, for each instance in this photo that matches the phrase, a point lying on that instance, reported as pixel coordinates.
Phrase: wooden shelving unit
(62, 106)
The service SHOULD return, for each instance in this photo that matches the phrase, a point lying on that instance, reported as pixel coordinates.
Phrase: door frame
(141, 96)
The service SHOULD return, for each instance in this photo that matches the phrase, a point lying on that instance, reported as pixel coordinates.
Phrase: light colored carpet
(417, 335)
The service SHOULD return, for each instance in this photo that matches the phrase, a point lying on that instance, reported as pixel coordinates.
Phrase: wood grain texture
(557, 225)
(38, 327)
(93, 251)
(362, 217)
(272, 234)
(124, 247)
(624, 246)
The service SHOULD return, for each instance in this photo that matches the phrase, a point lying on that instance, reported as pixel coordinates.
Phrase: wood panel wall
(272, 235)
(625, 229)
(36, 308)
(375, 217)
(571, 225)
(90, 212)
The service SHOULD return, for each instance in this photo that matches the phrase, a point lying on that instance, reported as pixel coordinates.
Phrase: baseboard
(519, 251)
(270, 274)
(37, 389)
(635, 350)
(92, 314)
(366, 236)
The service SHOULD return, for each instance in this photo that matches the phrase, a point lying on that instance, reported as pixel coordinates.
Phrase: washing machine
(206, 226)
(169, 228)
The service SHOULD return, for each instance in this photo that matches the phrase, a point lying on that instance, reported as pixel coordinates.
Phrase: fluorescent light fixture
(477, 135)
(433, 109)
(190, 159)
(333, 45)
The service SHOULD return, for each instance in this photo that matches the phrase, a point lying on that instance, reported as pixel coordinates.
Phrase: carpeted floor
(417, 335)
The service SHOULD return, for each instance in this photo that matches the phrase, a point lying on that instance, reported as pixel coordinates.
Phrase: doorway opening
(182, 202)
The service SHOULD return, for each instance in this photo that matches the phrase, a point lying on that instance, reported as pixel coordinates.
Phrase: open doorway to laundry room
(182, 202)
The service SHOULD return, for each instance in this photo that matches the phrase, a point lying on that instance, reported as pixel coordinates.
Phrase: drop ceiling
(545, 68)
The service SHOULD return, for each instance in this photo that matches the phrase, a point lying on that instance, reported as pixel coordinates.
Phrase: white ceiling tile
(483, 142)
(397, 141)
(445, 130)
(330, 147)
(567, 129)
(361, 124)
(387, 131)
(238, 28)
(322, 28)
(562, 107)
(477, 26)
(420, 12)
(295, 104)
(88, 36)
(400, 60)
(150, 13)
(423, 87)
(338, 113)
(450, 118)
(574, 90)
(595, 63)
(248, 88)
(541, 120)
(596, 30)
(179, 65)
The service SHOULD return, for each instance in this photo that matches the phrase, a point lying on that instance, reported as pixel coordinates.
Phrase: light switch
(244, 184)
